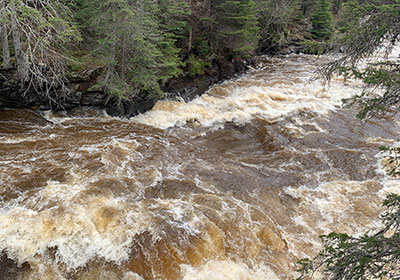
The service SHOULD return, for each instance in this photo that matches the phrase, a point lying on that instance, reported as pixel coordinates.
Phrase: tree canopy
(140, 45)
(41, 33)
(322, 20)
(371, 40)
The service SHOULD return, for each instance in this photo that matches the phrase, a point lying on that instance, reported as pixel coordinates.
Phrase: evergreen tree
(336, 6)
(172, 24)
(361, 43)
(237, 27)
(41, 31)
(308, 6)
(322, 20)
(351, 14)
(136, 40)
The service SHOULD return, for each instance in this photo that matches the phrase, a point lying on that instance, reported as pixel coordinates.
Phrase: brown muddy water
(237, 184)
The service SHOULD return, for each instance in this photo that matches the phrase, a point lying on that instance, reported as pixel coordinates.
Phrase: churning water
(237, 184)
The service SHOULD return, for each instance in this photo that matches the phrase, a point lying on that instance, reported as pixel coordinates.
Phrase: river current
(236, 184)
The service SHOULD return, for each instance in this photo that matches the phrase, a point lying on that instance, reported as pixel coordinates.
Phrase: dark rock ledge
(82, 96)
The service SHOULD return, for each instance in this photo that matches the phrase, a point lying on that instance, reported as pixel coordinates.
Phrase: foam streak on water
(237, 184)
(262, 92)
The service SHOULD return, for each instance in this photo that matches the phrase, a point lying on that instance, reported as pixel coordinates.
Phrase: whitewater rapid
(237, 184)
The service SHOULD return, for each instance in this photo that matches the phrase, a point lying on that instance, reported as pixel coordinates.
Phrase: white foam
(97, 228)
(240, 101)
(226, 270)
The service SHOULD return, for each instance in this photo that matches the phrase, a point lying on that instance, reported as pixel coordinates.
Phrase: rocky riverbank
(81, 93)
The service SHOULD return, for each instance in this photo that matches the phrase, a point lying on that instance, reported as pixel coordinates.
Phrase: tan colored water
(237, 184)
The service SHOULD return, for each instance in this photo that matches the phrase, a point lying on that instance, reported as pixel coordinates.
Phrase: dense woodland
(140, 45)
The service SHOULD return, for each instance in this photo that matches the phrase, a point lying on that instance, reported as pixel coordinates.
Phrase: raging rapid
(236, 184)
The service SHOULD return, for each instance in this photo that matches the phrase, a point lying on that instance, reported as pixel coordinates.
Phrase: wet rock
(82, 94)
(226, 69)
(291, 49)
(94, 98)
(9, 269)
(188, 88)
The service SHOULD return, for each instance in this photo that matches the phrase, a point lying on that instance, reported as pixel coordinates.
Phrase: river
(236, 184)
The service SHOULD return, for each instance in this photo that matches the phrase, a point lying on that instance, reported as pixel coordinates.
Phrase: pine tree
(322, 20)
(361, 43)
(307, 6)
(171, 20)
(136, 41)
(237, 27)
(40, 31)
(336, 6)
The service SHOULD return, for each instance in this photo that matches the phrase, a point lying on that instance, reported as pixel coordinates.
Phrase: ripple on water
(237, 184)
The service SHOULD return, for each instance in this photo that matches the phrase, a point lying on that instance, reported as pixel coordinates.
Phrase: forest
(137, 47)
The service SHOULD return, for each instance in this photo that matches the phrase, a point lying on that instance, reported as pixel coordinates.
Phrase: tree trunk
(4, 37)
(190, 39)
(19, 54)
(336, 6)
(110, 66)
